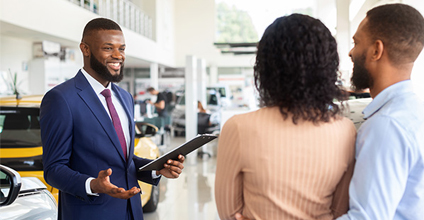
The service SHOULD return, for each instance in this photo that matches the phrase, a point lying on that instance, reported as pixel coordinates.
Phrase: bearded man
(388, 179)
(87, 131)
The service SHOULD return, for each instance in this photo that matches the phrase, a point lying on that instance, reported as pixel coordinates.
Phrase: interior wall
(15, 54)
(418, 70)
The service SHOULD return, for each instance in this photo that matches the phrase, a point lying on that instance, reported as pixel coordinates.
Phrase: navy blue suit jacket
(79, 140)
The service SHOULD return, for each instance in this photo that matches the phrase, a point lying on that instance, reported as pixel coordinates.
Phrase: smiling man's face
(107, 54)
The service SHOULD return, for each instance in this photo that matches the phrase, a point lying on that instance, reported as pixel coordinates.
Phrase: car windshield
(19, 127)
(222, 92)
(211, 98)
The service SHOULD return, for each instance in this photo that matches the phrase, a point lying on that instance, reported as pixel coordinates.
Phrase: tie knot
(106, 93)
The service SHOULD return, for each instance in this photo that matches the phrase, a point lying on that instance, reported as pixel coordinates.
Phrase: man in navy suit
(88, 147)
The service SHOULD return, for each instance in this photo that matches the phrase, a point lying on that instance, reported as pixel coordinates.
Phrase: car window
(20, 128)
(4, 186)
(181, 100)
(212, 99)
(222, 92)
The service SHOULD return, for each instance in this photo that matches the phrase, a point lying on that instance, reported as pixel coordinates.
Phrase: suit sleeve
(56, 134)
(229, 178)
(144, 176)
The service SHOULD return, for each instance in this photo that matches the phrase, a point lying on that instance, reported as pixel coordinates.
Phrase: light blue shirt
(388, 181)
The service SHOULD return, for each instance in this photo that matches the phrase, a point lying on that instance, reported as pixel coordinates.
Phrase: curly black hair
(296, 69)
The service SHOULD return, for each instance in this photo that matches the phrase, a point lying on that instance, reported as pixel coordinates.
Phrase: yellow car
(21, 149)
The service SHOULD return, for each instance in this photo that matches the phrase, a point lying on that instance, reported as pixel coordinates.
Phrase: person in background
(87, 131)
(388, 182)
(294, 157)
(200, 107)
(160, 103)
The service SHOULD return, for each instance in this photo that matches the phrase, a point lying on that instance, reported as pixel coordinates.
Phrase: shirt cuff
(88, 188)
(154, 176)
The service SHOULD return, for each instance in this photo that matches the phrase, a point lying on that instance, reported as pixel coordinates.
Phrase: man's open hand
(102, 184)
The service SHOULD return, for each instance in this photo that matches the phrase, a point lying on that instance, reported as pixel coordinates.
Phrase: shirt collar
(96, 85)
(386, 95)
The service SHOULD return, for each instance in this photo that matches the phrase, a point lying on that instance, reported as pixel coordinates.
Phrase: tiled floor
(191, 196)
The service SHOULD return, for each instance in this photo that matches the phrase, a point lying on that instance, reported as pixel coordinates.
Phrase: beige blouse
(269, 168)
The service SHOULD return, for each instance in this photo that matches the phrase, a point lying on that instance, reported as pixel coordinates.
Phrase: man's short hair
(401, 29)
(100, 24)
(150, 89)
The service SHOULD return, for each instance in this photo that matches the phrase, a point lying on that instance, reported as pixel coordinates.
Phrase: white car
(354, 108)
(213, 106)
(224, 91)
(24, 198)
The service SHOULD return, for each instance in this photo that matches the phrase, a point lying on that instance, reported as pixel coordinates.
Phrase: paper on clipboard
(183, 149)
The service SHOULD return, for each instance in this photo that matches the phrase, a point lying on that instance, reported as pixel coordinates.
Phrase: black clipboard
(183, 149)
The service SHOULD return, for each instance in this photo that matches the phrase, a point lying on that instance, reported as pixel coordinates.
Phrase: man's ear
(85, 49)
(378, 49)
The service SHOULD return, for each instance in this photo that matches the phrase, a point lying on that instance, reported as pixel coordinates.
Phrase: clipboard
(183, 149)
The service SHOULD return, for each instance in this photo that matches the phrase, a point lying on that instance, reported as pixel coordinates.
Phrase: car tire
(153, 202)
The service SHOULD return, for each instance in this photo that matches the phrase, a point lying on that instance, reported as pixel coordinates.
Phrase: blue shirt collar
(386, 95)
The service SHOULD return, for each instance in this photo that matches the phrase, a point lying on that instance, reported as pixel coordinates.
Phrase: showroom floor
(191, 196)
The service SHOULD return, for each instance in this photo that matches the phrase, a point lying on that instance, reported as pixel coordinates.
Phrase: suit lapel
(91, 99)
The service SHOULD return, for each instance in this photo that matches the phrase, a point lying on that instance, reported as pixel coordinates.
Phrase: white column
(191, 103)
(343, 38)
(201, 81)
(213, 75)
(154, 75)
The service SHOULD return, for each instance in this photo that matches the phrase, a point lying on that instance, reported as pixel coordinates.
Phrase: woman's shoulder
(344, 121)
(344, 125)
(245, 116)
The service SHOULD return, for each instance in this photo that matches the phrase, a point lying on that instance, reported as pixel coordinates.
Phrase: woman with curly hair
(293, 158)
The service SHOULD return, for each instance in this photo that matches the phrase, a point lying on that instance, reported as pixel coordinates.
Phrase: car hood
(31, 183)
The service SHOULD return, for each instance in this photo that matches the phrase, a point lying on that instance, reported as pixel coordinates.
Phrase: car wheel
(153, 202)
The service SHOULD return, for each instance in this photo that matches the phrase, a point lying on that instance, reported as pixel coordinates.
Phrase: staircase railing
(123, 12)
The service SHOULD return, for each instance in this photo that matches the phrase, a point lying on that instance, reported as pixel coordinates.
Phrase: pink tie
(115, 120)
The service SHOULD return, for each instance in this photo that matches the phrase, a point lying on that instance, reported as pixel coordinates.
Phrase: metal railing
(123, 12)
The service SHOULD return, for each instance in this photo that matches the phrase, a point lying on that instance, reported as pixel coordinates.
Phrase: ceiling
(7, 29)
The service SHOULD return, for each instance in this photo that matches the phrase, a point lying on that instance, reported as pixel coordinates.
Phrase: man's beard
(361, 78)
(104, 72)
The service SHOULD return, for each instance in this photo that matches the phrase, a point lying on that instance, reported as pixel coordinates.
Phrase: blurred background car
(24, 198)
(212, 117)
(355, 105)
(21, 147)
(354, 110)
(225, 94)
